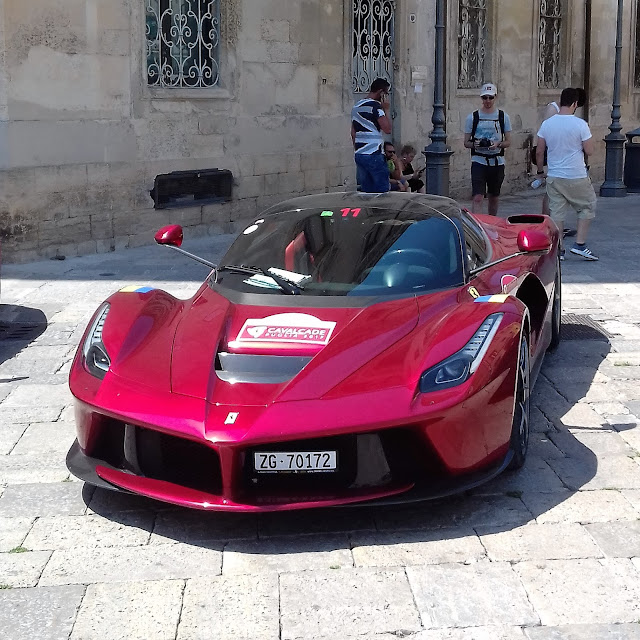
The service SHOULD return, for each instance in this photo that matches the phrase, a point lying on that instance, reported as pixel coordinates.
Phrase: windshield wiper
(287, 286)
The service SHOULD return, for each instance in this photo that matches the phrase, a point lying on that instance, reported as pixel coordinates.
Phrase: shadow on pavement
(558, 466)
(19, 326)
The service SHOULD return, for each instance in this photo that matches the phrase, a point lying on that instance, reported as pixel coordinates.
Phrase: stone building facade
(98, 97)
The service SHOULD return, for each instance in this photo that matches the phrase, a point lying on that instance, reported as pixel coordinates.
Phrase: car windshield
(363, 251)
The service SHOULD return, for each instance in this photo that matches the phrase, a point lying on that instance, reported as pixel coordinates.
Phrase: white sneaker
(583, 251)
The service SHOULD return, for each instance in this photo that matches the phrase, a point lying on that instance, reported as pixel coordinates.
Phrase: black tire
(556, 311)
(519, 443)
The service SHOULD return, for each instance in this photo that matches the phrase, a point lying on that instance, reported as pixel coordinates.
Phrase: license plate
(295, 461)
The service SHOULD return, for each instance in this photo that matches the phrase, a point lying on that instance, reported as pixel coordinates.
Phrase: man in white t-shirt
(567, 140)
(487, 134)
(550, 110)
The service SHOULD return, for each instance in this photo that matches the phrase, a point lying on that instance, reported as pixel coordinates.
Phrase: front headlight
(96, 358)
(457, 368)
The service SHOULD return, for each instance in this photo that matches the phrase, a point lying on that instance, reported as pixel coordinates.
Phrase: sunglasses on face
(488, 97)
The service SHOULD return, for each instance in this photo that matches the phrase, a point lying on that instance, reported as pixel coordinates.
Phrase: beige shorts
(565, 193)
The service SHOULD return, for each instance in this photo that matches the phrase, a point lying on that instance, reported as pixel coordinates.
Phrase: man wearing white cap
(487, 134)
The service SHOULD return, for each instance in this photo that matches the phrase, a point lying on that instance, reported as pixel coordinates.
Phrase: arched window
(472, 43)
(373, 45)
(550, 43)
(183, 38)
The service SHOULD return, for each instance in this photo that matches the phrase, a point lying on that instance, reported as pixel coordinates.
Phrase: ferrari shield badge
(505, 281)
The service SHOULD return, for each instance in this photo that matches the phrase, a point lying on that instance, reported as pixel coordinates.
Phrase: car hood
(227, 353)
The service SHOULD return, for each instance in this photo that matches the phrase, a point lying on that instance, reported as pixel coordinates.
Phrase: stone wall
(82, 136)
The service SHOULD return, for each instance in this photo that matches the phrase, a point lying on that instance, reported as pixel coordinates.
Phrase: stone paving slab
(72, 532)
(28, 415)
(194, 527)
(10, 435)
(343, 602)
(472, 511)
(585, 632)
(231, 608)
(581, 506)
(286, 555)
(539, 542)
(20, 568)
(472, 633)
(27, 395)
(13, 531)
(44, 499)
(408, 548)
(46, 439)
(130, 564)
(135, 611)
(317, 521)
(582, 591)
(616, 472)
(536, 475)
(45, 613)
(26, 469)
(617, 539)
(454, 595)
(586, 444)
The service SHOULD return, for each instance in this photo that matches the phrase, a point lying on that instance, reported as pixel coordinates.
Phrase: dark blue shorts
(486, 179)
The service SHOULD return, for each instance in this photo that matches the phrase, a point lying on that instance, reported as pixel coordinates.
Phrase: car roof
(406, 202)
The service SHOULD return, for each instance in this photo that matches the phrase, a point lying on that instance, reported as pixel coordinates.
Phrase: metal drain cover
(21, 330)
(578, 327)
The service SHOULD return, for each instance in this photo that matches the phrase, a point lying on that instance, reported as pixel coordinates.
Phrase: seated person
(407, 154)
(396, 180)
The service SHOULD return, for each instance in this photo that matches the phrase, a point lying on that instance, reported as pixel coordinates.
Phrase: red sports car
(348, 347)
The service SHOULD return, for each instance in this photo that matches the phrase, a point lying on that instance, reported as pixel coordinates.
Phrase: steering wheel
(426, 258)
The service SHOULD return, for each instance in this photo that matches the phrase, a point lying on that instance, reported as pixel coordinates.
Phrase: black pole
(613, 185)
(437, 154)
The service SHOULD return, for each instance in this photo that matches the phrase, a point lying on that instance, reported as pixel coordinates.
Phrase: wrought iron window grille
(549, 43)
(472, 43)
(373, 42)
(183, 40)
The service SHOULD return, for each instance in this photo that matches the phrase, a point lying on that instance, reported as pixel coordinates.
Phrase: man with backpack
(487, 134)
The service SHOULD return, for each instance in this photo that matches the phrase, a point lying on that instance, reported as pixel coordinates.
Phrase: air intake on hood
(236, 367)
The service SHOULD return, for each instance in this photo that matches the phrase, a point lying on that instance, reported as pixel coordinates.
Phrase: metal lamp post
(437, 154)
(613, 185)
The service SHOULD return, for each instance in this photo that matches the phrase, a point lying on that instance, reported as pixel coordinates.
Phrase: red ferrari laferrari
(347, 348)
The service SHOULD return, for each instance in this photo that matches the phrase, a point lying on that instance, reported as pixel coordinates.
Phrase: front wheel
(519, 443)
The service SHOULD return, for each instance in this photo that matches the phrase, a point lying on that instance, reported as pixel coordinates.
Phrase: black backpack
(476, 118)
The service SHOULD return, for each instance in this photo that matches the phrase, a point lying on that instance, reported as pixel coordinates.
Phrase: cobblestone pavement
(549, 553)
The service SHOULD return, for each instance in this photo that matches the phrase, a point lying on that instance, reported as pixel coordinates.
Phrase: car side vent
(188, 188)
(526, 218)
(236, 367)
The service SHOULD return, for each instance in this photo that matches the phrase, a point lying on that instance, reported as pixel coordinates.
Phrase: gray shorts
(576, 193)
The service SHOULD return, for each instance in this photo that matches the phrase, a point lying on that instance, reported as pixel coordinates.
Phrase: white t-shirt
(564, 135)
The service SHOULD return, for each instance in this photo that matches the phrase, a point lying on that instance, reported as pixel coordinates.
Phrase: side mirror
(532, 241)
(171, 235)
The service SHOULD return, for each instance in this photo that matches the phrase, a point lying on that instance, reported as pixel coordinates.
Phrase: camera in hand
(484, 143)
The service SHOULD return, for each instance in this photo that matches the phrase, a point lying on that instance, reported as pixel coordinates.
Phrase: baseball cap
(488, 89)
